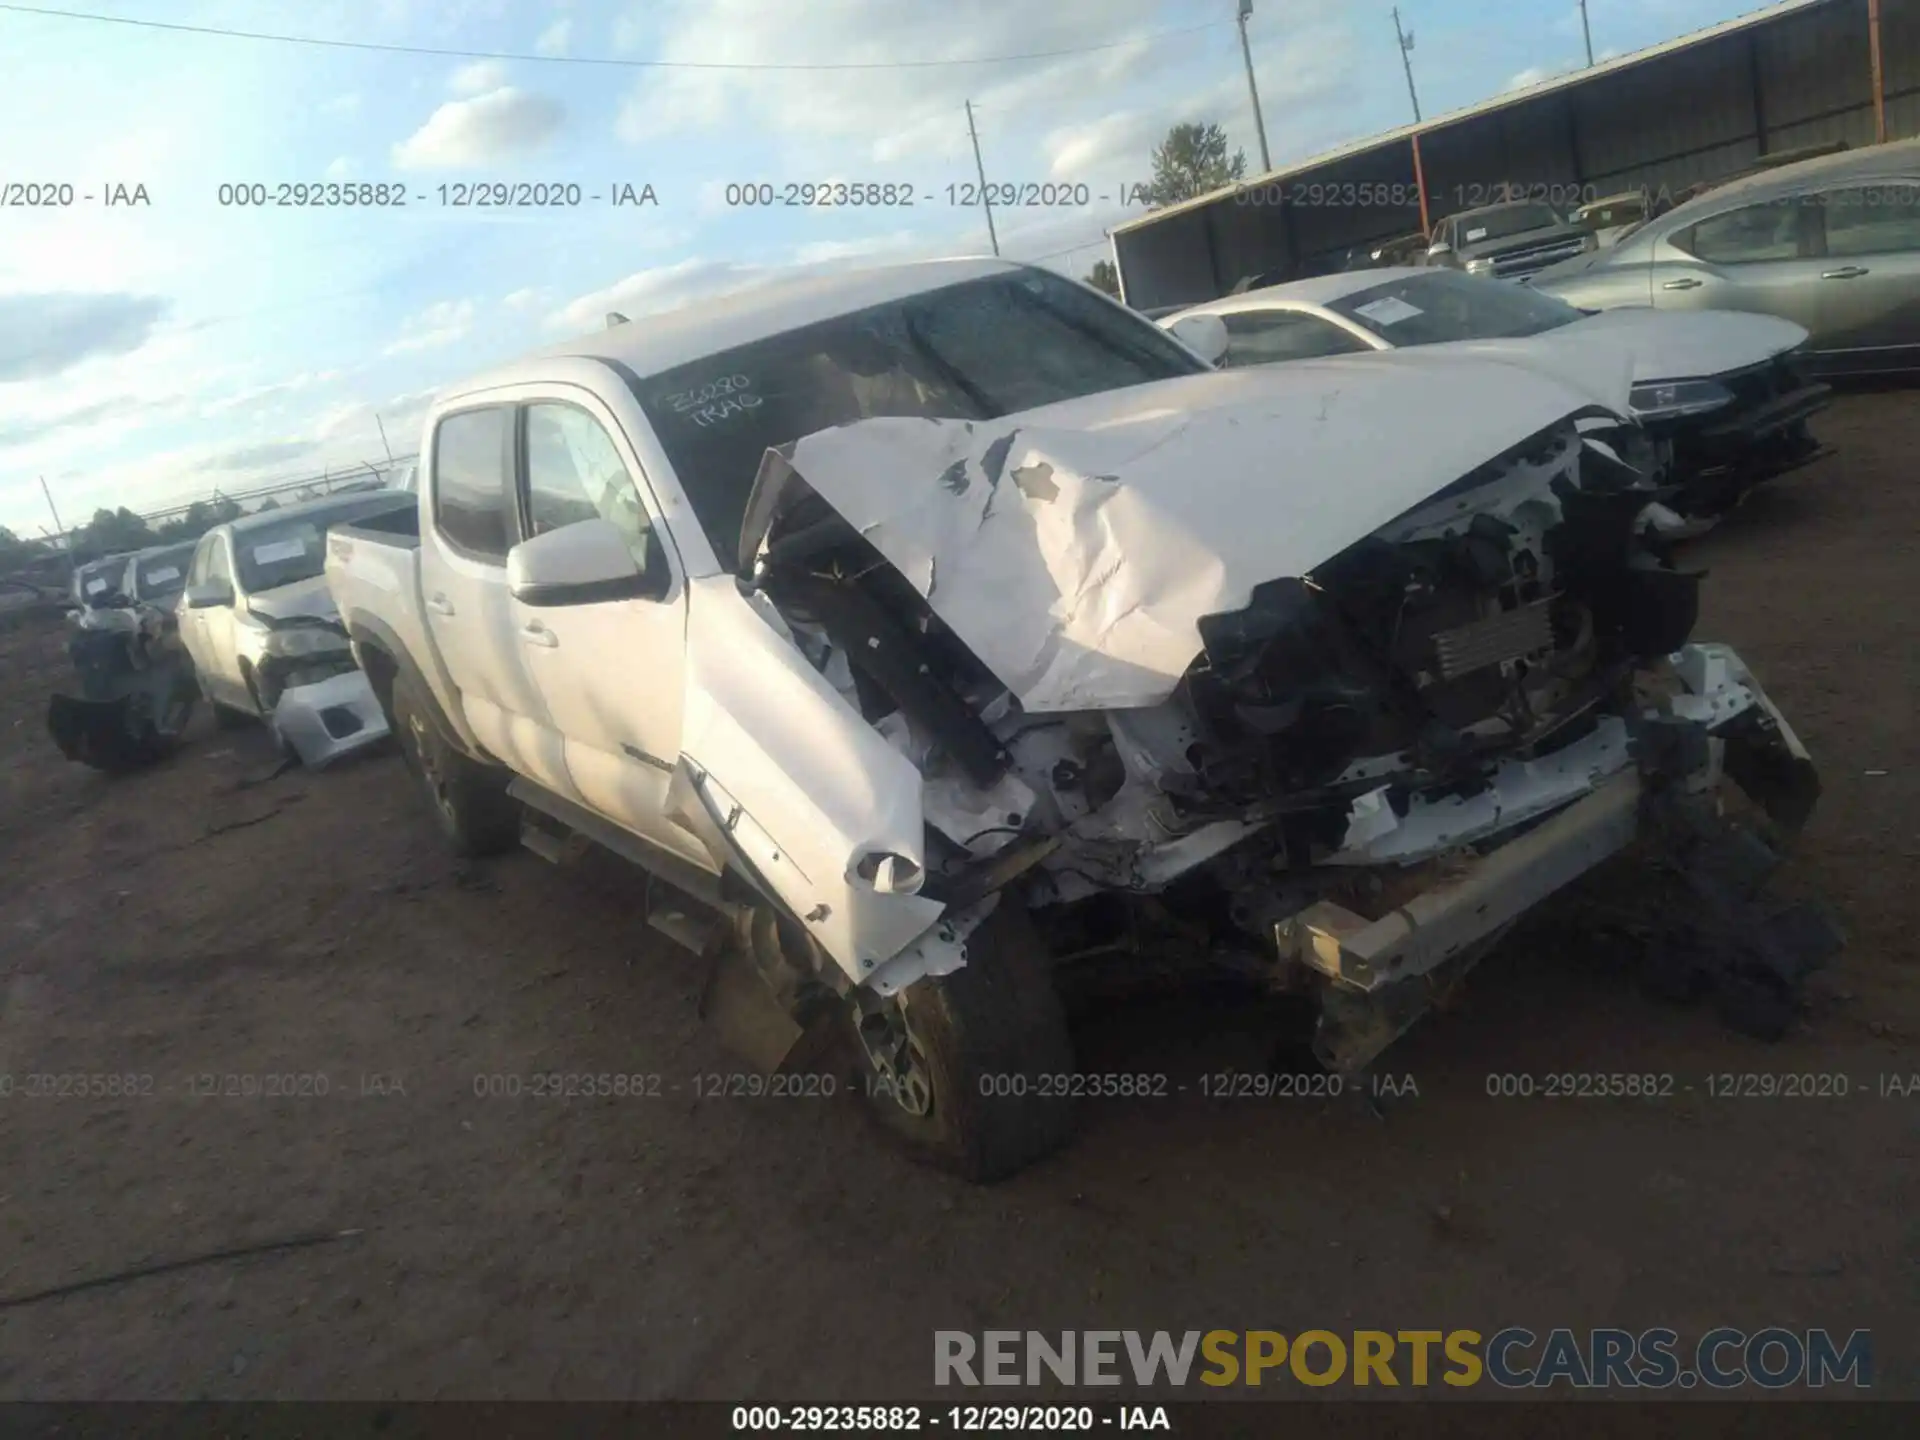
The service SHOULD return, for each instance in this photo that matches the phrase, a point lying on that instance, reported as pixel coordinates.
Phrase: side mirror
(1439, 250)
(584, 564)
(1205, 335)
(209, 593)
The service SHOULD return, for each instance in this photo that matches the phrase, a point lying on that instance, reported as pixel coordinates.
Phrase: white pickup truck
(934, 633)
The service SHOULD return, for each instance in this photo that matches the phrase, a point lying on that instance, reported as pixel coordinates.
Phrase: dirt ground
(181, 923)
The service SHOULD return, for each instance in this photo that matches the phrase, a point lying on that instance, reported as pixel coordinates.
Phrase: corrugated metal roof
(1484, 107)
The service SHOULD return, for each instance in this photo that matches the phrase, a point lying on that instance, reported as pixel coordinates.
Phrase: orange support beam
(1420, 181)
(1879, 74)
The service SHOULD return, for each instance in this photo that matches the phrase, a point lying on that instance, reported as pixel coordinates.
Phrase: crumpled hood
(1074, 548)
(303, 600)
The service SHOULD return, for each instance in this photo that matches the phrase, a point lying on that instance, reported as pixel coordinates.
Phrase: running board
(675, 870)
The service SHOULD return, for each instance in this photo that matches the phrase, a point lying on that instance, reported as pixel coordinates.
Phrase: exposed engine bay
(1484, 666)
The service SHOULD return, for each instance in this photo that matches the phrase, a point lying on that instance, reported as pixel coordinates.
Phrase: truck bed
(373, 570)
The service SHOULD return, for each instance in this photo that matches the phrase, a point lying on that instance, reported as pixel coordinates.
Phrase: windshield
(1510, 220)
(1440, 305)
(287, 550)
(163, 574)
(971, 351)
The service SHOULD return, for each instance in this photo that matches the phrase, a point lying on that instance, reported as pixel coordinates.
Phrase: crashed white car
(935, 631)
(266, 641)
(1718, 396)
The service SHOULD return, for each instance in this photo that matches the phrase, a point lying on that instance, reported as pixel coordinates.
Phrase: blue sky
(150, 354)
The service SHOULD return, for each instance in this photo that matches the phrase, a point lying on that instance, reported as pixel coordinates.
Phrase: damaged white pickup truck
(927, 632)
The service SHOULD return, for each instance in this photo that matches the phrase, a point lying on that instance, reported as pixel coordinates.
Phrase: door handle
(1845, 272)
(1687, 283)
(439, 605)
(534, 633)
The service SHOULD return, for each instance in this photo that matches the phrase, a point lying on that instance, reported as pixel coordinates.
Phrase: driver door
(610, 672)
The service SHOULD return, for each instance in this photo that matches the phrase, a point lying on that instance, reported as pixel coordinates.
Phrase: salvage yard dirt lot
(186, 923)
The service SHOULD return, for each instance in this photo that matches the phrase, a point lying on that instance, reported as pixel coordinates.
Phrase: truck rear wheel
(972, 1072)
(469, 800)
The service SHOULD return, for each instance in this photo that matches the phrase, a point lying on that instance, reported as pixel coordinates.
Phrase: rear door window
(1882, 219)
(472, 492)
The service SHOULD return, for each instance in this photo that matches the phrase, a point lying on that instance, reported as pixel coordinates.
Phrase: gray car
(1512, 241)
(1832, 244)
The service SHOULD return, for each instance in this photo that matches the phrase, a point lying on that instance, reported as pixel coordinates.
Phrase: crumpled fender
(798, 782)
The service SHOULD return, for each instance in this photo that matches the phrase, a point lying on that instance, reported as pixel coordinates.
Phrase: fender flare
(383, 655)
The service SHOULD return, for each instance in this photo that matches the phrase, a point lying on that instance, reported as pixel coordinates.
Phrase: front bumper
(329, 719)
(1718, 458)
(1380, 971)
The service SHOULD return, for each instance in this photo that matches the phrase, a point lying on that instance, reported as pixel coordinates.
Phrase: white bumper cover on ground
(330, 718)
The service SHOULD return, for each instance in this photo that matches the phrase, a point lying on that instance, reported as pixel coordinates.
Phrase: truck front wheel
(469, 800)
(973, 1071)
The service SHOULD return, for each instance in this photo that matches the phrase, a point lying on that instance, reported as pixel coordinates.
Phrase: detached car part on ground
(1196, 670)
(1719, 400)
(266, 639)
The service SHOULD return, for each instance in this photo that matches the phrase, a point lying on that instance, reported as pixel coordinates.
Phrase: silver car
(1831, 243)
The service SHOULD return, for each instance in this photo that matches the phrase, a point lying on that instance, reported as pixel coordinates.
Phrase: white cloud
(556, 38)
(478, 78)
(44, 335)
(480, 131)
(525, 299)
(437, 325)
(340, 168)
(895, 245)
(1537, 74)
(661, 287)
(251, 397)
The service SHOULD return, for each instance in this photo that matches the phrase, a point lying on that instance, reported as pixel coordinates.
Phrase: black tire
(469, 799)
(995, 1025)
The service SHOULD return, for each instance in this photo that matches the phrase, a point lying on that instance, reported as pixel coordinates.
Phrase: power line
(517, 56)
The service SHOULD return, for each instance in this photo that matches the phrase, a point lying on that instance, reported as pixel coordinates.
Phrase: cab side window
(575, 473)
(471, 493)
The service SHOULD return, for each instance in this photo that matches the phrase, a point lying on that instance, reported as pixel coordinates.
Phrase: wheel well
(381, 669)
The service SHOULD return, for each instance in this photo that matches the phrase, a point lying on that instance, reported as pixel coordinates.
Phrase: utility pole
(981, 170)
(1246, 53)
(383, 437)
(1406, 52)
(1588, 34)
(59, 529)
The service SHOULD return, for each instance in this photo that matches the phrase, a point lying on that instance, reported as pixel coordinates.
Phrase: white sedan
(1719, 393)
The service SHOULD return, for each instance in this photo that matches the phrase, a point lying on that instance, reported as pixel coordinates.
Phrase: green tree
(15, 552)
(1191, 161)
(114, 530)
(1104, 277)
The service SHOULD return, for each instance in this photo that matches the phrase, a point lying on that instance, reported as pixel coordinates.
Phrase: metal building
(1798, 73)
